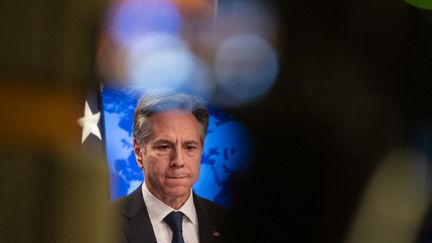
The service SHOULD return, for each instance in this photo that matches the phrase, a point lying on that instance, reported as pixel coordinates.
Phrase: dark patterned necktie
(174, 221)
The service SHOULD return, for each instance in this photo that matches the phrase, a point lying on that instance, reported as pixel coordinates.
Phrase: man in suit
(169, 132)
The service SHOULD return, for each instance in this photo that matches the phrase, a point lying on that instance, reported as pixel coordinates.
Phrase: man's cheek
(153, 165)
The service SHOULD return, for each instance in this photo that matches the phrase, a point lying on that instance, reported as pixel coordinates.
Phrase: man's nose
(178, 157)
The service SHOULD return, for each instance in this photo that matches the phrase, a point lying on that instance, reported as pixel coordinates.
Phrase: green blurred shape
(423, 4)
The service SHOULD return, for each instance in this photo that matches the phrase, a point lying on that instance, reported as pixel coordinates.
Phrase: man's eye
(191, 147)
(162, 147)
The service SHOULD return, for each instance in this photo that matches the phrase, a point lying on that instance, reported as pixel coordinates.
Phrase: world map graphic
(226, 154)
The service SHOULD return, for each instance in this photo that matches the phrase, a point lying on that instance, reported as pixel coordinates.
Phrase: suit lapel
(207, 232)
(139, 228)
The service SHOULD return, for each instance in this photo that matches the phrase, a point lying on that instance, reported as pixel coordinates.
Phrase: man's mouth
(177, 177)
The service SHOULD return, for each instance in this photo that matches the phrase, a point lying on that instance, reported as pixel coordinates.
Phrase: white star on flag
(89, 122)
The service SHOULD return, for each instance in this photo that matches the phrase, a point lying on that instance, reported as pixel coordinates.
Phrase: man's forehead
(163, 140)
(179, 121)
(173, 113)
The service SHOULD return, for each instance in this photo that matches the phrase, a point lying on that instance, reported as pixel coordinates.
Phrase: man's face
(171, 157)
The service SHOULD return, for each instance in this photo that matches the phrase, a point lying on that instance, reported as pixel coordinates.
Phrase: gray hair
(151, 104)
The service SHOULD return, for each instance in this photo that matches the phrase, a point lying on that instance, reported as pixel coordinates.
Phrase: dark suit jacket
(213, 220)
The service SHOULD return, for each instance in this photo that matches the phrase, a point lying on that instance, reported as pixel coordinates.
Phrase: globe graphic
(226, 153)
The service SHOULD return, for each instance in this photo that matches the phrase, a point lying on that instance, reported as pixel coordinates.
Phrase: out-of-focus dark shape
(48, 42)
(51, 189)
(52, 197)
(353, 86)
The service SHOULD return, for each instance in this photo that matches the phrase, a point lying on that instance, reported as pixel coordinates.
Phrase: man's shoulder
(215, 221)
(215, 212)
(128, 205)
(211, 206)
(118, 204)
(122, 211)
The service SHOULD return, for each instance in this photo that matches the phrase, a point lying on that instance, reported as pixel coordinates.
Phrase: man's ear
(137, 151)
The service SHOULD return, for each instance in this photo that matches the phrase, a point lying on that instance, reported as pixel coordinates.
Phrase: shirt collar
(157, 210)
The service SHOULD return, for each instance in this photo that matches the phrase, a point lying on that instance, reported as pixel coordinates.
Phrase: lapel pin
(215, 233)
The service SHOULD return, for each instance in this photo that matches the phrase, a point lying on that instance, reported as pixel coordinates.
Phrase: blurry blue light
(199, 82)
(160, 61)
(246, 67)
(134, 19)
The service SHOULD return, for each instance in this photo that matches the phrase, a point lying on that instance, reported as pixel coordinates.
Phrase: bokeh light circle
(134, 19)
(160, 61)
(245, 67)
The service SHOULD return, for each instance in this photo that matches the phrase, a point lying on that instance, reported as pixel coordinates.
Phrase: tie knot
(174, 221)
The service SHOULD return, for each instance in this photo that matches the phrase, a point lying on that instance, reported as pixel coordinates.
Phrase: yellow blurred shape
(394, 201)
(40, 116)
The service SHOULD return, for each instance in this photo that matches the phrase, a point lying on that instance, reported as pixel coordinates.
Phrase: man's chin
(178, 184)
(178, 190)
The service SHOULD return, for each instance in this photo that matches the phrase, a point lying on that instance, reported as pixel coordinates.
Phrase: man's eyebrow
(160, 141)
(191, 142)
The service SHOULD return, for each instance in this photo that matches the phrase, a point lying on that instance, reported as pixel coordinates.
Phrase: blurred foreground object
(395, 201)
(51, 189)
(49, 197)
(423, 4)
(222, 50)
(48, 43)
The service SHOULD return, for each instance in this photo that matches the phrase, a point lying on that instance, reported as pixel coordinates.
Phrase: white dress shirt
(157, 211)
